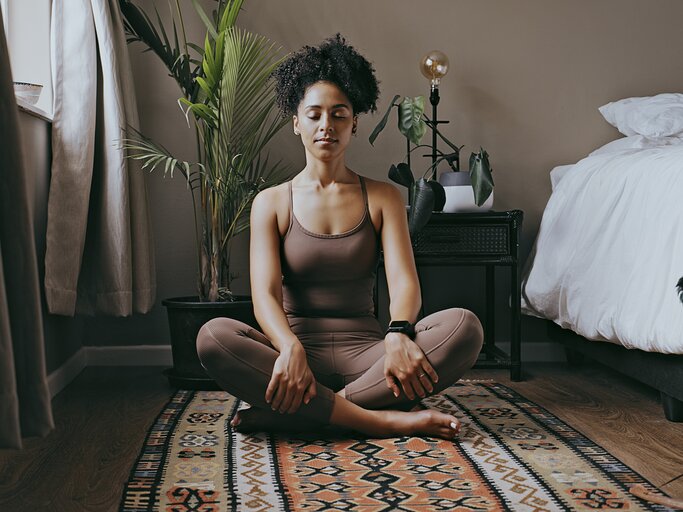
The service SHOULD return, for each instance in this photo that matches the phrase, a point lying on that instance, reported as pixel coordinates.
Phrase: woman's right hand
(292, 381)
(406, 363)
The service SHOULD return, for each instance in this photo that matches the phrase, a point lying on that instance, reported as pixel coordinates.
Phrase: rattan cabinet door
(463, 240)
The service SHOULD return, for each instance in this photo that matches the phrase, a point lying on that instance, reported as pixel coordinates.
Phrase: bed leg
(574, 357)
(673, 408)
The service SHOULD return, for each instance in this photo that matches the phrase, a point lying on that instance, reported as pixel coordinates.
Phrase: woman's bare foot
(428, 422)
(255, 419)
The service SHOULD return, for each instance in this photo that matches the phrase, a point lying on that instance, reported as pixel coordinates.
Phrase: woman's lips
(325, 142)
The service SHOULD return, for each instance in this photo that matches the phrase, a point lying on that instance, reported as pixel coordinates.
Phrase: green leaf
(139, 147)
(230, 14)
(141, 27)
(204, 112)
(196, 48)
(383, 122)
(205, 19)
(410, 121)
(401, 174)
(205, 87)
(453, 160)
(421, 206)
(480, 172)
(439, 195)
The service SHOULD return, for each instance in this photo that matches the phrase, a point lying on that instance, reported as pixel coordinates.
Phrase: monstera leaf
(410, 121)
(422, 204)
(480, 172)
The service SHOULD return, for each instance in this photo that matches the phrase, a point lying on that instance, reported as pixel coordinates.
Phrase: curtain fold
(25, 408)
(99, 253)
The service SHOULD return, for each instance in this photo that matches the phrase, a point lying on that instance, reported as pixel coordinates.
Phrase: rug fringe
(477, 380)
(641, 492)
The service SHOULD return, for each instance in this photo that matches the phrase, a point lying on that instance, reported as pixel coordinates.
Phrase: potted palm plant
(229, 100)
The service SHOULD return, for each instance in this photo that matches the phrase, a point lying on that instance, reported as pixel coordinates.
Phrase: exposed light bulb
(434, 65)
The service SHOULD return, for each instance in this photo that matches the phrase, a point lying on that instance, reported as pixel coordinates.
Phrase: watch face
(399, 324)
(402, 326)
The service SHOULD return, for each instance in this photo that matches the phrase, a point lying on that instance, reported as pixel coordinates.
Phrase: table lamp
(434, 66)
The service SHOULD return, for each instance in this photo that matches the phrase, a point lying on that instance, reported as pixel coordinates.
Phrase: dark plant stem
(198, 244)
(440, 153)
(408, 150)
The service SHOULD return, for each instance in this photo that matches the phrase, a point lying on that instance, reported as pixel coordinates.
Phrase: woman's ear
(295, 123)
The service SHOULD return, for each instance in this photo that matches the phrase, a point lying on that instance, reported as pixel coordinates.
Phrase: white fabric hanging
(99, 255)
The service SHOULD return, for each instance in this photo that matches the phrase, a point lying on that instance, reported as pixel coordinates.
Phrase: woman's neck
(326, 173)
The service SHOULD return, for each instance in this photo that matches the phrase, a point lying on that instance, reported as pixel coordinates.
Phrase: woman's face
(325, 121)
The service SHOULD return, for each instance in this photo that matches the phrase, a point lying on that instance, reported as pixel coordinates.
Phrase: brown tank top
(329, 275)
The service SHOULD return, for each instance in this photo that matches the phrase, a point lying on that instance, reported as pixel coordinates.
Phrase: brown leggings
(241, 359)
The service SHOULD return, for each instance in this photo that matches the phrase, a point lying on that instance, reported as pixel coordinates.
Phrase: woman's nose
(325, 123)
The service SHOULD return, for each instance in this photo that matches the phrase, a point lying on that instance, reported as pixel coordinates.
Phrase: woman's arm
(404, 362)
(266, 272)
(399, 263)
(292, 380)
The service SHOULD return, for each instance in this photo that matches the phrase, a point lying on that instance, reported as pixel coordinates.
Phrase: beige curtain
(24, 395)
(99, 254)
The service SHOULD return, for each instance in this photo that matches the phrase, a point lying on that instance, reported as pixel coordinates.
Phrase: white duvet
(609, 251)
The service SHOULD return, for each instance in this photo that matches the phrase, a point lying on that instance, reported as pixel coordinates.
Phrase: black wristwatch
(402, 326)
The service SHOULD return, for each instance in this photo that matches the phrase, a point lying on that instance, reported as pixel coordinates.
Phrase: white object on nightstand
(460, 194)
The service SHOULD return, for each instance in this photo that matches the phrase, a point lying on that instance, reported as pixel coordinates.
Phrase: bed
(609, 252)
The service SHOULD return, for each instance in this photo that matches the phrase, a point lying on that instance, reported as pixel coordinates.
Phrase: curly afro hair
(333, 61)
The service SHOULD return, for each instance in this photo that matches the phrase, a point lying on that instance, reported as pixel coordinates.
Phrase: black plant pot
(186, 315)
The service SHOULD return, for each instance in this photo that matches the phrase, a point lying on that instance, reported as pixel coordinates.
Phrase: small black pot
(186, 315)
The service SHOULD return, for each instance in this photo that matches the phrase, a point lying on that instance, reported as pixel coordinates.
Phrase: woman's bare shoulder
(382, 192)
(271, 198)
(273, 202)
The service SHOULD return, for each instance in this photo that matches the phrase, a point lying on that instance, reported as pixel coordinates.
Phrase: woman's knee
(471, 333)
(217, 338)
(466, 332)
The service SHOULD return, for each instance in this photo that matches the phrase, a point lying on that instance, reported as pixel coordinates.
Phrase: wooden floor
(102, 418)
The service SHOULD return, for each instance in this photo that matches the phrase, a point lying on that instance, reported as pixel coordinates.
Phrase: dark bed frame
(664, 372)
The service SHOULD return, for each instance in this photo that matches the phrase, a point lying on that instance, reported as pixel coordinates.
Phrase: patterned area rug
(511, 455)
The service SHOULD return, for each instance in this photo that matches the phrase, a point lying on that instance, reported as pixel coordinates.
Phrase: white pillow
(651, 116)
(636, 142)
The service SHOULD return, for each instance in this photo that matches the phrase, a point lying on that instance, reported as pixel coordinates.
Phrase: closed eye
(336, 116)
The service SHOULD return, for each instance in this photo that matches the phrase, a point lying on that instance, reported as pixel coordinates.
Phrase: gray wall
(526, 80)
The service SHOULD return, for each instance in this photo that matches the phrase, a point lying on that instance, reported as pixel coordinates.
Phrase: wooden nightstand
(488, 239)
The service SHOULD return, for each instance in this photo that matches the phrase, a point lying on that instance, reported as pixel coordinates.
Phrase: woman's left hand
(405, 362)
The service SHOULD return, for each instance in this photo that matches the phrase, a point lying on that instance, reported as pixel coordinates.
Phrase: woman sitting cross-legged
(322, 358)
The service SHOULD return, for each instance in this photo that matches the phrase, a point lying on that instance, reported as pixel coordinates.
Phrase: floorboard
(620, 414)
(103, 415)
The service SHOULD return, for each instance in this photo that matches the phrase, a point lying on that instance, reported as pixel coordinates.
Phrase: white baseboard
(138, 355)
(58, 379)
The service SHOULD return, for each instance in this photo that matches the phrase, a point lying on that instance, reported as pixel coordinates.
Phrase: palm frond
(153, 156)
(140, 27)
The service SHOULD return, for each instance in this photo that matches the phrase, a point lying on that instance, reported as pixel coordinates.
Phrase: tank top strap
(291, 207)
(365, 193)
